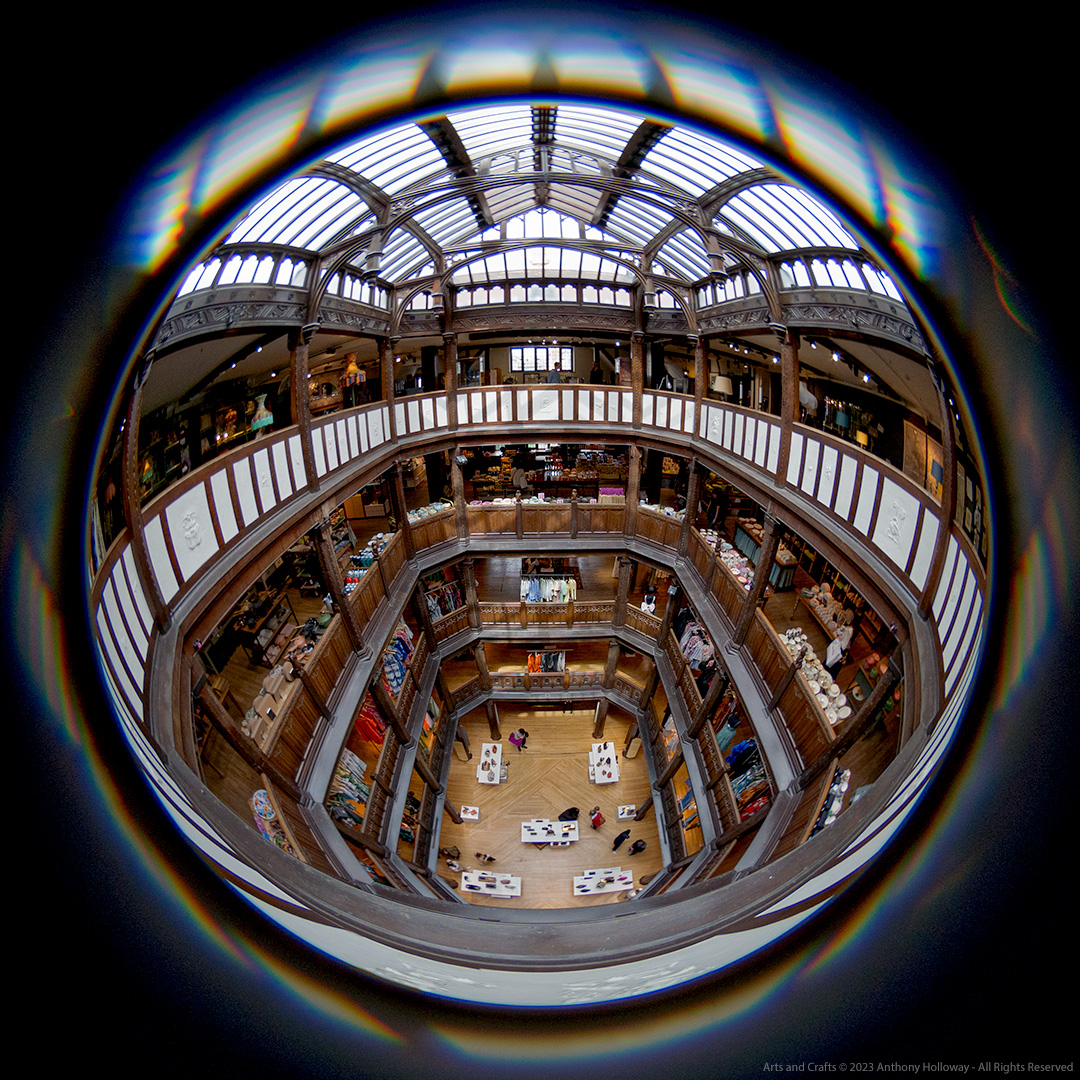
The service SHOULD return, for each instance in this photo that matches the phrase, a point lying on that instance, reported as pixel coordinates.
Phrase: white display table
(603, 763)
(490, 884)
(543, 831)
(489, 770)
(613, 879)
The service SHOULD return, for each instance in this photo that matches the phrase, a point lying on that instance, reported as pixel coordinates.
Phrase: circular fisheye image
(540, 541)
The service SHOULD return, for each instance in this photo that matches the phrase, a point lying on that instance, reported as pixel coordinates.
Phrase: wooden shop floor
(543, 780)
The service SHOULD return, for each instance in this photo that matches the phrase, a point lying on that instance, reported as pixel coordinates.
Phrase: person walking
(637, 847)
(485, 858)
(596, 819)
(620, 839)
(519, 738)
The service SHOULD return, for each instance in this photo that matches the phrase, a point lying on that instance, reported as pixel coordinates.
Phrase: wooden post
(948, 497)
(331, 572)
(766, 556)
(401, 512)
(386, 369)
(789, 396)
(637, 373)
(633, 488)
(131, 505)
(690, 515)
(450, 378)
(299, 340)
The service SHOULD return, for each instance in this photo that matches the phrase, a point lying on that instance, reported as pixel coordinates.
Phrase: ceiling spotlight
(836, 356)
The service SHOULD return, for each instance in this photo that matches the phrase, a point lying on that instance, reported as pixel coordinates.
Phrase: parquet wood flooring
(551, 775)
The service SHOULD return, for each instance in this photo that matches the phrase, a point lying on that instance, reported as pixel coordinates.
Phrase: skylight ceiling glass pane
(487, 130)
(401, 253)
(393, 159)
(266, 220)
(772, 209)
(684, 254)
(604, 130)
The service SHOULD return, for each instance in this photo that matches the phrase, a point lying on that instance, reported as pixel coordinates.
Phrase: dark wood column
(701, 376)
(450, 379)
(948, 495)
(389, 710)
(246, 748)
(331, 572)
(692, 484)
(131, 504)
(626, 571)
(721, 681)
(633, 489)
(789, 396)
(637, 373)
(401, 511)
(482, 667)
(856, 727)
(457, 487)
(386, 370)
(299, 340)
(766, 556)
(609, 681)
(472, 603)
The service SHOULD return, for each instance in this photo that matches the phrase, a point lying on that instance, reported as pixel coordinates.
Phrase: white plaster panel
(364, 444)
(330, 438)
(523, 404)
(379, 425)
(399, 416)
(974, 625)
(897, 517)
(589, 405)
(506, 406)
(924, 553)
(738, 434)
(627, 407)
(135, 662)
(774, 448)
(829, 456)
(116, 666)
(849, 469)
(413, 409)
(661, 411)
(245, 492)
(264, 483)
(191, 530)
(810, 465)
(647, 408)
(318, 451)
(545, 405)
(715, 425)
(223, 507)
(354, 440)
(491, 406)
(135, 628)
(281, 469)
(688, 417)
(949, 611)
(342, 435)
(159, 558)
(946, 574)
(959, 624)
(427, 413)
(568, 403)
(762, 446)
(794, 457)
(136, 590)
(296, 456)
(867, 496)
(675, 414)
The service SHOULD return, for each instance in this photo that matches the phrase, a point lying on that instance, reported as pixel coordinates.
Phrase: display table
(627, 812)
(543, 831)
(489, 771)
(613, 879)
(469, 813)
(748, 538)
(603, 763)
(484, 881)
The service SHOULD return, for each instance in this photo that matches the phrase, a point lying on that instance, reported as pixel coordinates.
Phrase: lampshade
(722, 384)
(862, 438)
(352, 375)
